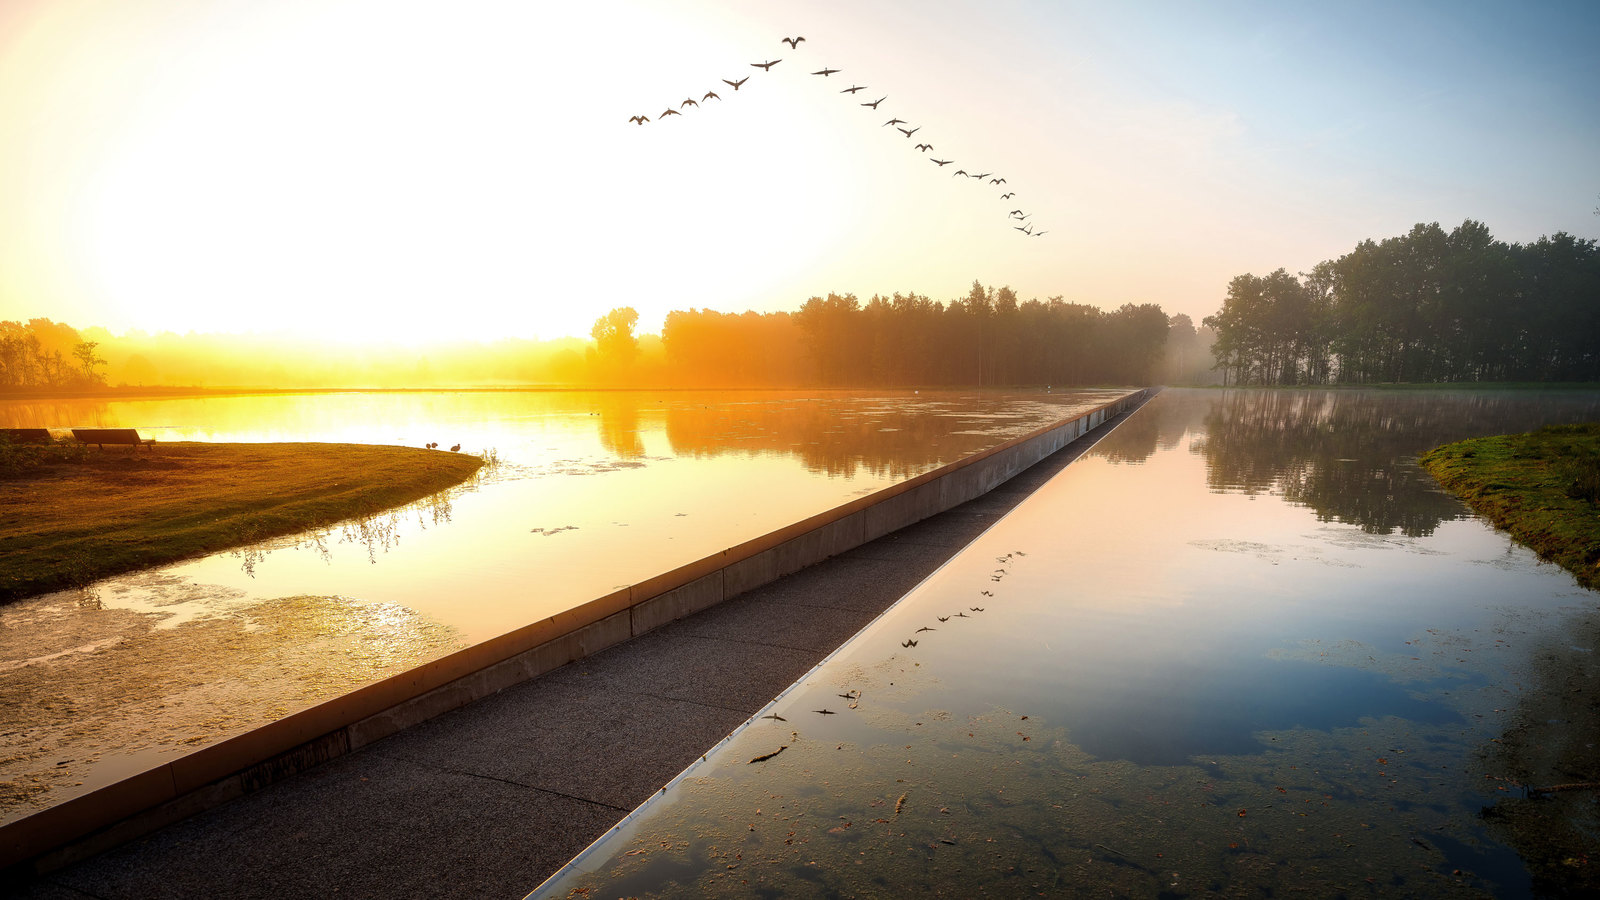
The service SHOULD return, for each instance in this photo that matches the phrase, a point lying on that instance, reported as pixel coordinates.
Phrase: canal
(585, 492)
(1245, 646)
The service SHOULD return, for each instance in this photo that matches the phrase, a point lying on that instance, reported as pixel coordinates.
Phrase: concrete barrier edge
(106, 817)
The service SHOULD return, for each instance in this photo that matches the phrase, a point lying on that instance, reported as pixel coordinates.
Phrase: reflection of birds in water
(853, 88)
(767, 66)
(455, 449)
(874, 104)
(638, 120)
(736, 83)
(825, 72)
(794, 41)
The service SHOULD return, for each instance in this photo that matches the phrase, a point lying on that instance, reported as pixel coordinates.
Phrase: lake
(1244, 646)
(585, 492)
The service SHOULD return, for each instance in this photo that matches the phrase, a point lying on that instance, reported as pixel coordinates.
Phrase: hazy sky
(409, 170)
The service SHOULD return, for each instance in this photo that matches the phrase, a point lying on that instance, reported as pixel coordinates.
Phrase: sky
(388, 170)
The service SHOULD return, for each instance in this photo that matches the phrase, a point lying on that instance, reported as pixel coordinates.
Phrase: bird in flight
(984, 175)
(853, 88)
(670, 112)
(711, 95)
(893, 122)
(941, 163)
(1008, 195)
(687, 101)
(1015, 212)
(638, 120)
(825, 72)
(874, 104)
(767, 66)
(909, 133)
(1028, 230)
(737, 83)
(1039, 233)
(997, 181)
(924, 147)
(794, 41)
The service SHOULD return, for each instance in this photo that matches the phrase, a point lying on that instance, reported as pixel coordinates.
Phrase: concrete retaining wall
(139, 804)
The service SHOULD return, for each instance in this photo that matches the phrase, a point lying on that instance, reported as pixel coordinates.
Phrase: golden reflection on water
(588, 492)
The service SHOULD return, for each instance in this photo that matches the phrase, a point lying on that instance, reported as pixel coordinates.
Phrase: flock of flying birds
(991, 178)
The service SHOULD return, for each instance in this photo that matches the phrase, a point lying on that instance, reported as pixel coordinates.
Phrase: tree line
(987, 338)
(1426, 306)
(42, 354)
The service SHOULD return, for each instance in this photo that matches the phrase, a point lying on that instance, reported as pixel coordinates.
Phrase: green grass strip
(1543, 487)
(66, 522)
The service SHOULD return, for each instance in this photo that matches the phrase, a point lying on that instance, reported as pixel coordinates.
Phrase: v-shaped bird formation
(1017, 216)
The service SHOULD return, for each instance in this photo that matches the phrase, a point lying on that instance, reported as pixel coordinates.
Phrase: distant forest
(988, 338)
(1427, 306)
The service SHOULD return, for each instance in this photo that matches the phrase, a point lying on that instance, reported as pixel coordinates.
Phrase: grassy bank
(78, 514)
(1542, 487)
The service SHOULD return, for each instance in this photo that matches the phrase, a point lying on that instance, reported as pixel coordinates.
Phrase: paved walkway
(491, 799)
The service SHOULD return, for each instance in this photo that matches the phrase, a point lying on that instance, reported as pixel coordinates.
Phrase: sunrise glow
(363, 170)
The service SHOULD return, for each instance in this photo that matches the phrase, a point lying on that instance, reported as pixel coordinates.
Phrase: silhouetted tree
(1425, 306)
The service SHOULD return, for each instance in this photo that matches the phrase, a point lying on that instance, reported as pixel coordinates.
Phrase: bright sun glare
(371, 172)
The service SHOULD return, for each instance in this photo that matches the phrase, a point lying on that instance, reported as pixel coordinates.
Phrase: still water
(587, 492)
(1246, 646)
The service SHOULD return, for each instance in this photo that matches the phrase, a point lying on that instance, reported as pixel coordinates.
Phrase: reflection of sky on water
(591, 492)
(1245, 627)
(594, 491)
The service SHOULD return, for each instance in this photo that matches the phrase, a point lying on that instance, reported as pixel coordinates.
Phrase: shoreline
(114, 511)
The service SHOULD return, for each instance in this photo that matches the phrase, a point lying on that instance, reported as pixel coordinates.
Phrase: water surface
(1244, 646)
(588, 492)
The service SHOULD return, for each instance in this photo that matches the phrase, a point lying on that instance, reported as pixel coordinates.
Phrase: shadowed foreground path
(492, 798)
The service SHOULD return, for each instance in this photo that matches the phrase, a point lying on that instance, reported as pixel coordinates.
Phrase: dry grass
(71, 521)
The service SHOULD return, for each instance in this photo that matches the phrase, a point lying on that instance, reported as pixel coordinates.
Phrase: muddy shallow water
(1244, 647)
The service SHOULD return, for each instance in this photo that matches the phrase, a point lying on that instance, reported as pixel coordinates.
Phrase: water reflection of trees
(1351, 455)
(1156, 426)
(377, 534)
(885, 437)
(619, 425)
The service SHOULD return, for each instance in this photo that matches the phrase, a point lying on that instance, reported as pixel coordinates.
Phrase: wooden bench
(28, 435)
(102, 436)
